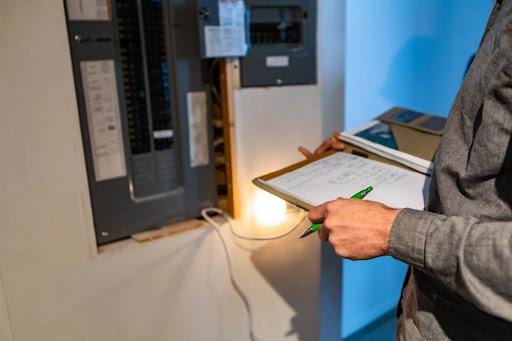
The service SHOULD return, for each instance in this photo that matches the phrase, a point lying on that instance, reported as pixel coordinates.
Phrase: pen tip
(305, 233)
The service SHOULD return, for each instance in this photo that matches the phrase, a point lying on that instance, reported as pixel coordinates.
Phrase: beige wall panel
(176, 288)
(5, 323)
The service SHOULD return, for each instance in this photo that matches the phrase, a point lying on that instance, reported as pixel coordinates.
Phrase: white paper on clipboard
(343, 174)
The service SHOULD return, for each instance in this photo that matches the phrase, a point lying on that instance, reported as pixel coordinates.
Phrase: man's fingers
(324, 146)
(331, 143)
(323, 233)
(317, 213)
(305, 152)
(338, 145)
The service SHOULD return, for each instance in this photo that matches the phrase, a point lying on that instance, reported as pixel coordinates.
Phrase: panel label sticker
(102, 107)
(163, 134)
(224, 41)
(198, 129)
(89, 9)
(231, 13)
(227, 39)
(277, 61)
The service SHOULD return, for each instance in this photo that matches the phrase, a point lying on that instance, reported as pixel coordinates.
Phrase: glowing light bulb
(268, 210)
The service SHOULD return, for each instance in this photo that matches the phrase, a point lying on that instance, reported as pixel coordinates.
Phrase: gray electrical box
(144, 112)
(282, 48)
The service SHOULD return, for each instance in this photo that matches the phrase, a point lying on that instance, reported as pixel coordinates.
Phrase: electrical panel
(144, 112)
(282, 43)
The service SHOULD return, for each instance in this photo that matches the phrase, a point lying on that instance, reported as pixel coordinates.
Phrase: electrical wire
(205, 213)
(234, 283)
(216, 227)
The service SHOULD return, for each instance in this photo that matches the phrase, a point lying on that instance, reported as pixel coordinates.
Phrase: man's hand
(331, 143)
(357, 229)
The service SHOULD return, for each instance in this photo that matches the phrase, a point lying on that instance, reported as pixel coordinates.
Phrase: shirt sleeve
(472, 258)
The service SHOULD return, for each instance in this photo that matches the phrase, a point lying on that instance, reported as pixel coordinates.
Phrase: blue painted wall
(400, 53)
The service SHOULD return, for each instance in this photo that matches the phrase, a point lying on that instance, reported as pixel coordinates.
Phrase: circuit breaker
(144, 112)
(282, 43)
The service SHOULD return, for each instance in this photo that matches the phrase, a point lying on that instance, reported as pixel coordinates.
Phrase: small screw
(104, 234)
(204, 14)
(78, 38)
(279, 81)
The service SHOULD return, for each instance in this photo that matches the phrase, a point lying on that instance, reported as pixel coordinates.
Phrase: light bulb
(267, 209)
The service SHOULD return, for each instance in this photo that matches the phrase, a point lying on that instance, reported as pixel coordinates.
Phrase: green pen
(315, 227)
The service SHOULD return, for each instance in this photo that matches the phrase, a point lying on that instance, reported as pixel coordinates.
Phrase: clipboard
(415, 133)
(261, 181)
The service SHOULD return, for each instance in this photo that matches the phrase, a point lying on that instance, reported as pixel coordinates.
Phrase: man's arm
(472, 258)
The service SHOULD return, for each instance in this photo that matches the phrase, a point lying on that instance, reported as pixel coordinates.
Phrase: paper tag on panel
(89, 9)
(277, 61)
(102, 107)
(198, 129)
(231, 13)
(227, 39)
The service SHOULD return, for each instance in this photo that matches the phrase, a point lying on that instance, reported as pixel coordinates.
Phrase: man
(459, 285)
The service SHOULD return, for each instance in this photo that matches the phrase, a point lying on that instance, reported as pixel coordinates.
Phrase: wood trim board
(229, 80)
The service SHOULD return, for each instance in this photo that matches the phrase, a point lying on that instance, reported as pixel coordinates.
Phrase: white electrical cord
(205, 213)
(216, 227)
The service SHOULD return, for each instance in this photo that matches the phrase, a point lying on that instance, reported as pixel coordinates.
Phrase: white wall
(270, 124)
(331, 63)
(57, 287)
(408, 53)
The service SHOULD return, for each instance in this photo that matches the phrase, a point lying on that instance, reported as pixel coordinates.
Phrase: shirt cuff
(408, 234)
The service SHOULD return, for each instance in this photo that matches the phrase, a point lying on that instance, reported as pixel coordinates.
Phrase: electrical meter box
(282, 43)
(144, 112)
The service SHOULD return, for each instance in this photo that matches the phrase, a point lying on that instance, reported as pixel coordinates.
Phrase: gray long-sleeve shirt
(460, 248)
